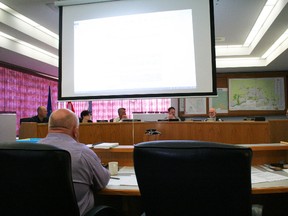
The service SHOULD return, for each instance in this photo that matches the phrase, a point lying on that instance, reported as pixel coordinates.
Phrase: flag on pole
(69, 106)
(49, 104)
(90, 106)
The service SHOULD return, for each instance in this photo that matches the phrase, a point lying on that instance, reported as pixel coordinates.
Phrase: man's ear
(75, 133)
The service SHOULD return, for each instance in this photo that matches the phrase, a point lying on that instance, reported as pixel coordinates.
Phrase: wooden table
(262, 153)
(258, 188)
(272, 195)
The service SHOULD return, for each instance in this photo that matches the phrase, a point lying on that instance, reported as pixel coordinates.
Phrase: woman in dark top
(85, 117)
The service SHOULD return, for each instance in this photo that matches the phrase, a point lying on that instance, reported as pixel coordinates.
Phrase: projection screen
(136, 49)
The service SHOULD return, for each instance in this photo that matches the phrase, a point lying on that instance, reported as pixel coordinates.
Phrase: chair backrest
(184, 177)
(102, 120)
(25, 120)
(36, 180)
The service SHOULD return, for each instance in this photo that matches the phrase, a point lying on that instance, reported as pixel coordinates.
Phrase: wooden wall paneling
(278, 130)
(222, 82)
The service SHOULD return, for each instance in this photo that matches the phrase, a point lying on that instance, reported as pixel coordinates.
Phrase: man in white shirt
(121, 115)
(212, 115)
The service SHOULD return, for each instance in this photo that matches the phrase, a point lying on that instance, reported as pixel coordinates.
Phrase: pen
(114, 178)
(274, 168)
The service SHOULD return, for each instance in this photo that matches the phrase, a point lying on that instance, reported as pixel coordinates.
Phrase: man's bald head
(63, 118)
(212, 112)
(42, 112)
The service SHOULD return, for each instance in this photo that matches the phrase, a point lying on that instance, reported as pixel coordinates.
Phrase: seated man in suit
(121, 115)
(87, 171)
(41, 116)
(212, 115)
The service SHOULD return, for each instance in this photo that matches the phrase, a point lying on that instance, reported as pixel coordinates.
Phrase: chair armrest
(102, 210)
(257, 210)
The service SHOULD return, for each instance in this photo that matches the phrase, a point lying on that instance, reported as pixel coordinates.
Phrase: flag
(90, 106)
(49, 104)
(70, 106)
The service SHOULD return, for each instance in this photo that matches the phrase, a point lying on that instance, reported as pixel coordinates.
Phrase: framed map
(195, 105)
(220, 103)
(257, 94)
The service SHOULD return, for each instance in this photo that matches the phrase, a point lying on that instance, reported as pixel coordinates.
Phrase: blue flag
(90, 106)
(49, 104)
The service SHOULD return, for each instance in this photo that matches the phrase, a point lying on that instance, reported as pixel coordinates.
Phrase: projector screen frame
(137, 96)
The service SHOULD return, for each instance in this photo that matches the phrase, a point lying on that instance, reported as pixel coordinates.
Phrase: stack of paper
(105, 145)
(124, 180)
(258, 176)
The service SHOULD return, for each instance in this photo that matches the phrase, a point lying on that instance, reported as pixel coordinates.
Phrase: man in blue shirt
(87, 171)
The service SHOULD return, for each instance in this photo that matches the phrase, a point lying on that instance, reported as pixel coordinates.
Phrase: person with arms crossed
(41, 116)
(121, 115)
(87, 171)
(212, 115)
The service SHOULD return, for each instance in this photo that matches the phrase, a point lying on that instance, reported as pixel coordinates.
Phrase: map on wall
(195, 105)
(257, 94)
(220, 103)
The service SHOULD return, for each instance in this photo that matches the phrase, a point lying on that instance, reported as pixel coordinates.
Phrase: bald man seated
(41, 116)
(87, 171)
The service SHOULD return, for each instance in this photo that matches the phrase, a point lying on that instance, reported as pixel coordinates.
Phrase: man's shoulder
(34, 117)
(45, 120)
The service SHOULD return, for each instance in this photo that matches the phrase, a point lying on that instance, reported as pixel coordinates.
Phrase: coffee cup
(113, 167)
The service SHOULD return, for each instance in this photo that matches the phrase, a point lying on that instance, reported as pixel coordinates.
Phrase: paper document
(105, 145)
(124, 180)
(127, 170)
(258, 176)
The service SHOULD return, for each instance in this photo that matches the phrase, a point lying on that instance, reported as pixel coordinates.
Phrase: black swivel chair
(36, 180)
(184, 177)
(102, 120)
(25, 120)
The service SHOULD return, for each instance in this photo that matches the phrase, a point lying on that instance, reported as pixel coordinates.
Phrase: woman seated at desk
(85, 117)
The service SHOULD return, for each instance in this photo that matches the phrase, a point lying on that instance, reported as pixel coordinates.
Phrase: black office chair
(25, 120)
(36, 180)
(184, 177)
(102, 120)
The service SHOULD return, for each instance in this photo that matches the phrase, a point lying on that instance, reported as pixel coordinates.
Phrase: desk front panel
(128, 133)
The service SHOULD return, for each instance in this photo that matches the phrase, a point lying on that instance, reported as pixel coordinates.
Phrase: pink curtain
(22, 93)
(108, 109)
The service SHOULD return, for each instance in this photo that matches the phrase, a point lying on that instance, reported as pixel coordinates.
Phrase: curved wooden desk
(129, 133)
(262, 153)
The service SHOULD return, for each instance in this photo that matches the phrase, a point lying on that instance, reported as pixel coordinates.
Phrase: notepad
(105, 145)
(124, 181)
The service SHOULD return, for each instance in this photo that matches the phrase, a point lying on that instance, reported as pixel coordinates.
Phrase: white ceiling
(234, 20)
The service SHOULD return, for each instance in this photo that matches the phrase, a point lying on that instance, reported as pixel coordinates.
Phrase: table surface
(133, 190)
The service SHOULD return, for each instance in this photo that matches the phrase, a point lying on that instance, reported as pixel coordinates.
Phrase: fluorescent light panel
(27, 26)
(257, 32)
(269, 13)
(23, 48)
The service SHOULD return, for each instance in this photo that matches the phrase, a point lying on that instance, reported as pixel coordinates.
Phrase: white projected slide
(148, 51)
